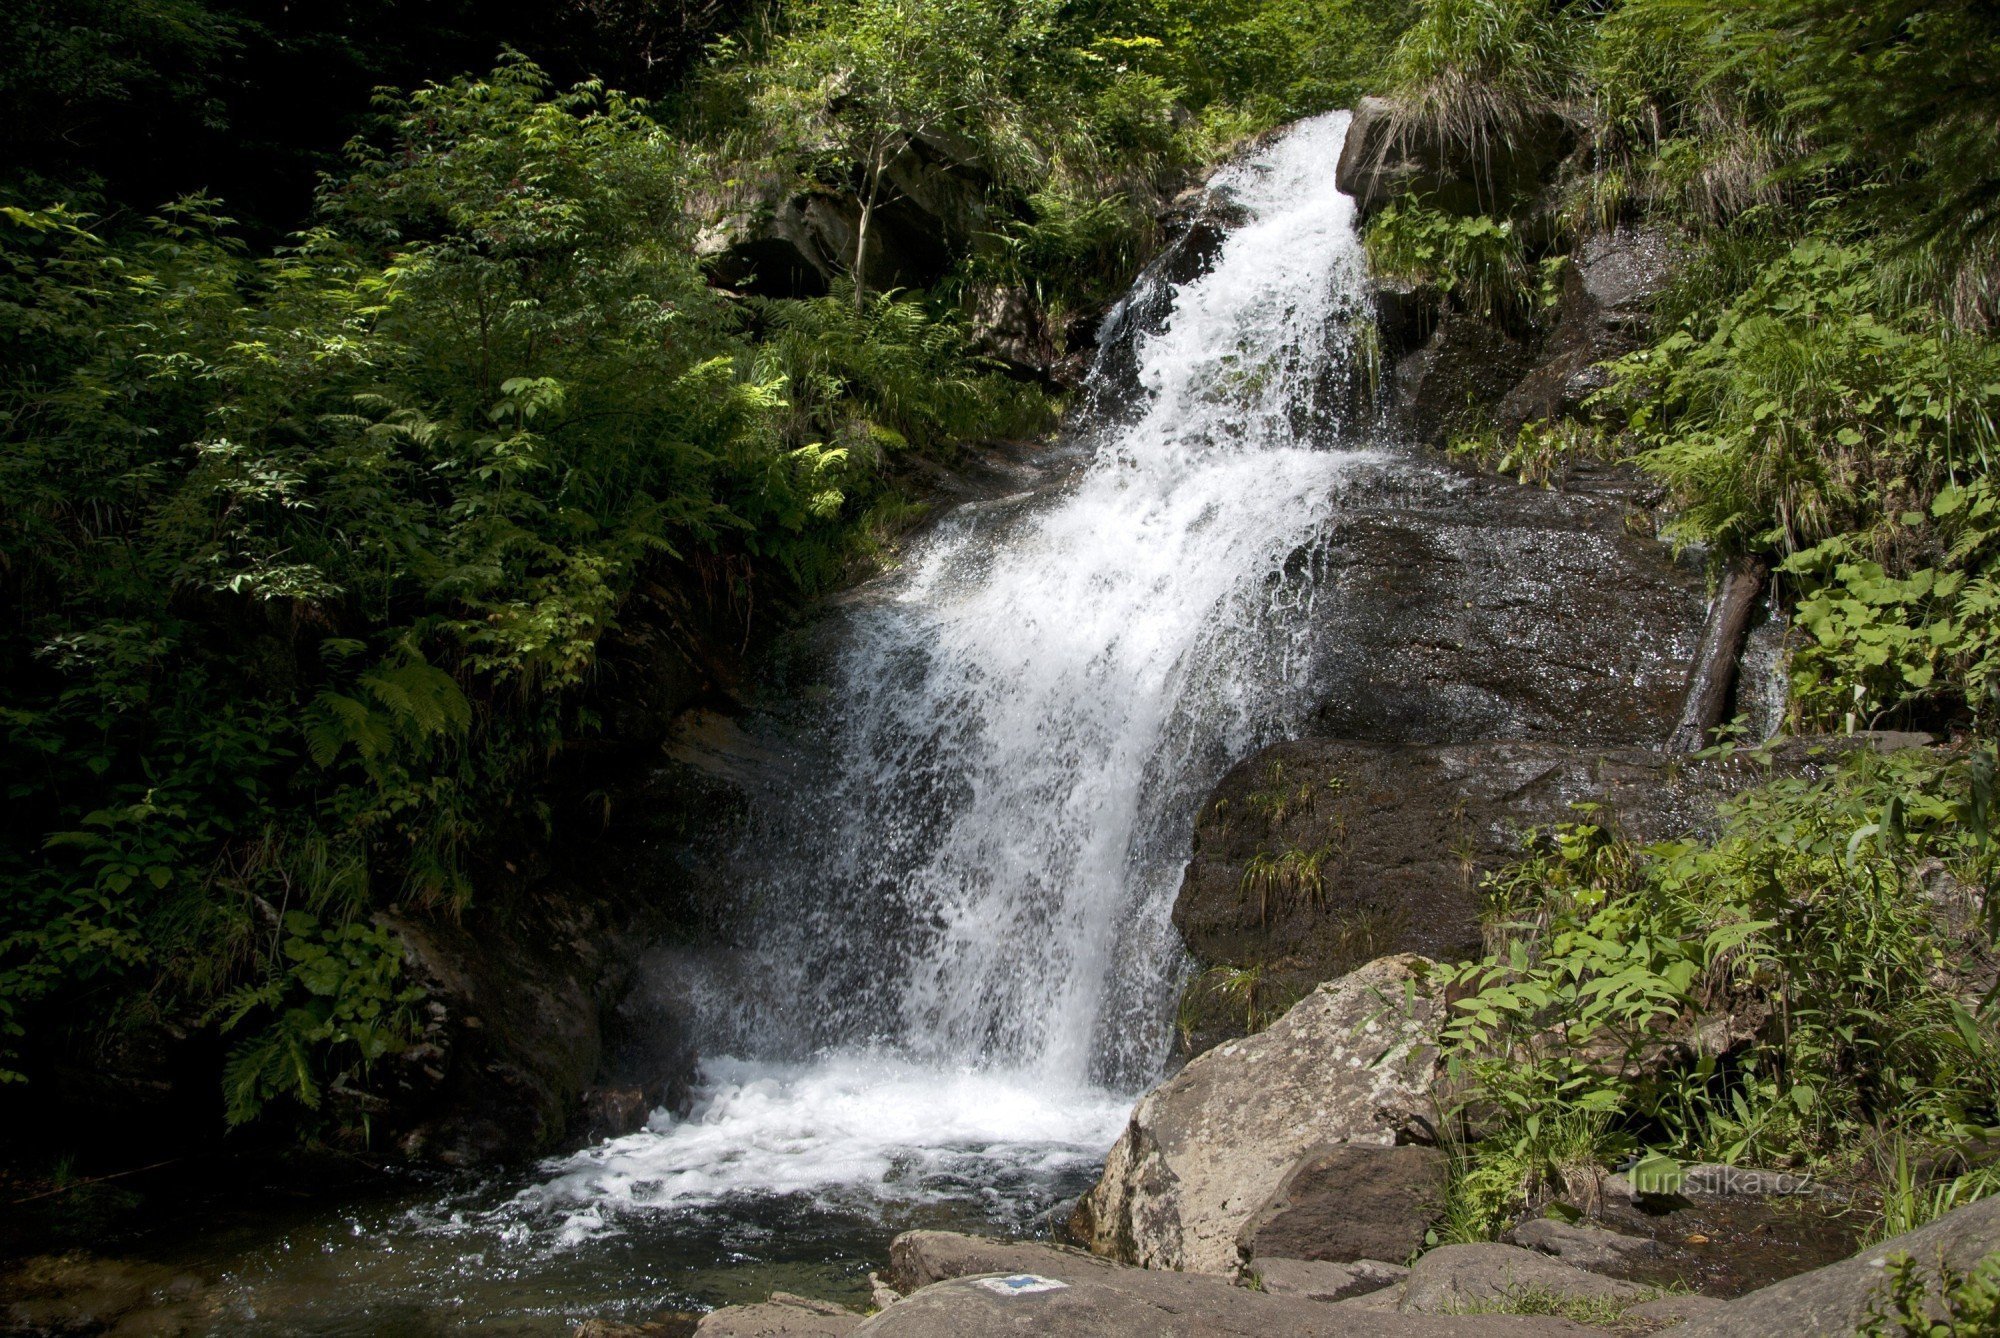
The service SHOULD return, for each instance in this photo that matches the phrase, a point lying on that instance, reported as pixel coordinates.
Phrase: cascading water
(964, 959)
(959, 970)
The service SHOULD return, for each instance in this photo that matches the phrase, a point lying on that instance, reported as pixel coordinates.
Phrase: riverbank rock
(82, 1293)
(1350, 1202)
(783, 1316)
(919, 1258)
(1454, 1279)
(1322, 1280)
(1836, 1299)
(1130, 1301)
(1579, 1243)
(1352, 1063)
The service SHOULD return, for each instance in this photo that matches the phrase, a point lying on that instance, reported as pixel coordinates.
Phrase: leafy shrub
(1815, 920)
(308, 557)
(1478, 262)
(1946, 1303)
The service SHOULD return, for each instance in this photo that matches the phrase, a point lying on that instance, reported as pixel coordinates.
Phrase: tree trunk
(1714, 671)
(861, 232)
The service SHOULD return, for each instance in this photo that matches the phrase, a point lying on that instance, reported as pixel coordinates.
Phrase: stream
(964, 965)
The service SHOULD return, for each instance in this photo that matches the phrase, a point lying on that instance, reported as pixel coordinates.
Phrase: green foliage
(1911, 1200)
(1807, 408)
(1946, 1302)
(309, 557)
(336, 1004)
(1478, 262)
(1817, 917)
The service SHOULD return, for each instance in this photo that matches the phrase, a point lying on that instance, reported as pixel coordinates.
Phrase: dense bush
(309, 549)
(1811, 983)
(307, 554)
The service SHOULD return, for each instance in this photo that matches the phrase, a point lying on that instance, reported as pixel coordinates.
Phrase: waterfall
(963, 960)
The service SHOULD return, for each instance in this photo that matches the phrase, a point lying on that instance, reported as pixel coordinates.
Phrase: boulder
(83, 1293)
(783, 1316)
(1605, 311)
(1580, 1244)
(1349, 1202)
(919, 1258)
(1387, 156)
(1454, 1279)
(1445, 388)
(1170, 1305)
(1352, 1063)
(1836, 1299)
(1321, 1280)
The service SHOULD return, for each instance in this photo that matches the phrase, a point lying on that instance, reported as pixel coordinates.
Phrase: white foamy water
(964, 962)
(853, 1131)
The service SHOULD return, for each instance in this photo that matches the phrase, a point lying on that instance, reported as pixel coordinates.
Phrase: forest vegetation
(360, 364)
(1815, 986)
(345, 416)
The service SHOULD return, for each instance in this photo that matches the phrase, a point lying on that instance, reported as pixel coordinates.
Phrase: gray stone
(1323, 1280)
(1351, 1063)
(783, 1316)
(1667, 1310)
(919, 1258)
(1128, 1303)
(1386, 157)
(1456, 1278)
(1605, 311)
(1835, 1299)
(1579, 1243)
(1350, 1202)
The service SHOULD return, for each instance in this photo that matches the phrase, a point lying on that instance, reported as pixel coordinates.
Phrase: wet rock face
(1605, 312)
(1406, 831)
(1458, 607)
(1486, 655)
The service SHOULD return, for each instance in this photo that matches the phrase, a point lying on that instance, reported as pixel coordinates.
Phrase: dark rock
(1605, 311)
(770, 236)
(1458, 607)
(1448, 387)
(1836, 1299)
(1131, 1301)
(1455, 1278)
(1406, 314)
(81, 1293)
(1579, 1243)
(1321, 1280)
(1007, 326)
(1408, 832)
(1385, 158)
(1352, 1202)
(919, 1258)
(612, 1112)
